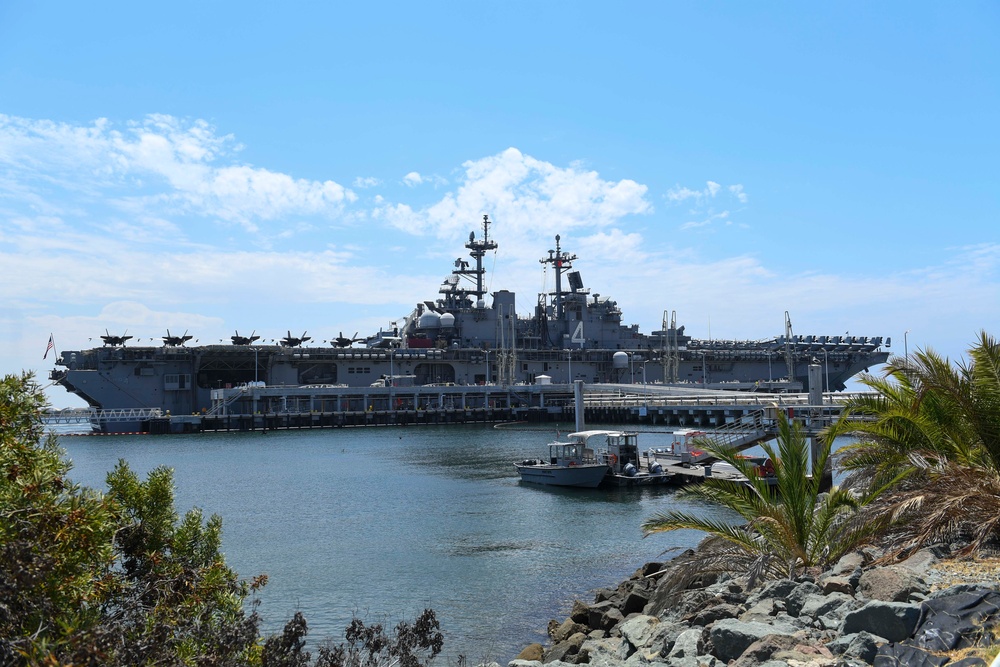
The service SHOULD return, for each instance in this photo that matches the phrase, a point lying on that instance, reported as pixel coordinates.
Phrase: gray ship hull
(459, 339)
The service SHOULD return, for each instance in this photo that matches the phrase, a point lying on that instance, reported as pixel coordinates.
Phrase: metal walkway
(95, 416)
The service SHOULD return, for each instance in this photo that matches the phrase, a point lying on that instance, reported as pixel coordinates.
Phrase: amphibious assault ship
(462, 338)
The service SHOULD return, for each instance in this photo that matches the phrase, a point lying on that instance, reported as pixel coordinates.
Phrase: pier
(254, 407)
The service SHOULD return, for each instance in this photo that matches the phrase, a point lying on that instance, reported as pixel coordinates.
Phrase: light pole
(487, 366)
(906, 347)
(826, 363)
(704, 370)
(254, 363)
(569, 371)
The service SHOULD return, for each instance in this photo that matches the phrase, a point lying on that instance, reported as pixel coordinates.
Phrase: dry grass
(967, 570)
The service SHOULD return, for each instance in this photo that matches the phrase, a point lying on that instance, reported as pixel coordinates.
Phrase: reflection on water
(385, 522)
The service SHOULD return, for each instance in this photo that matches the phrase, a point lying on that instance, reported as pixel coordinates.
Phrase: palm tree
(790, 524)
(929, 435)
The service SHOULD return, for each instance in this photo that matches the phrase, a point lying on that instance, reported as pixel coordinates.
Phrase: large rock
(832, 605)
(635, 601)
(531, 652)
(608, 652)
(688, 644)
(639, 630)
(565, 650)
(892, 584)
(714, 613)
(567, 629)
(604, 616)
(580, 613)
(860, 645)
(895, 621)
(798, 595)
(730, 637)
(779, 589)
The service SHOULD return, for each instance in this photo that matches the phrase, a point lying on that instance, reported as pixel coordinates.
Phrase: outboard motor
(655, 468)
(629, 470)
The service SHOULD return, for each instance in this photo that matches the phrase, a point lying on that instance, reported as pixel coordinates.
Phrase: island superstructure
(466, 336)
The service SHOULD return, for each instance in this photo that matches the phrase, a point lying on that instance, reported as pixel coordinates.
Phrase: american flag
(51, 347)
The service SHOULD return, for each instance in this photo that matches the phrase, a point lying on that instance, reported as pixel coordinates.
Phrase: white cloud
(161, 166)
(413, 179)
(366, 182)
(712, 188)
(527, 195)
(737, 191)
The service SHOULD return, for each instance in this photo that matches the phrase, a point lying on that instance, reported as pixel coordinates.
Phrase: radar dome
(619, 360)
(429, 320)
(447, 320)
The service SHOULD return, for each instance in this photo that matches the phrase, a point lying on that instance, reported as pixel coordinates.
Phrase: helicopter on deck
(175, 341)
(245, 340)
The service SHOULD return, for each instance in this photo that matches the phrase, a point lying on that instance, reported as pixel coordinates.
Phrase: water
(385, 522)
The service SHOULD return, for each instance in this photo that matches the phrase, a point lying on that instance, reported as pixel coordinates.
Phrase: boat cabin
(619, 449)
(570, 453)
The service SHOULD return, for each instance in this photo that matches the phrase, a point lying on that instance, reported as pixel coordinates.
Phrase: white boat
(570, 463)
(595, 458)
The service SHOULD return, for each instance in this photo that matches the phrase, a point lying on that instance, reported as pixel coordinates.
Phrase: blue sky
(318, 166)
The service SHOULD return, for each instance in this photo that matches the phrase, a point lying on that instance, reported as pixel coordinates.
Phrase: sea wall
(931, 609)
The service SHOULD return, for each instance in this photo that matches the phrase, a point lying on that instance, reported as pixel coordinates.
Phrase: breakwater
(930, 609)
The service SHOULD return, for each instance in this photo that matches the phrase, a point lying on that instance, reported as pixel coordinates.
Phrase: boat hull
(588, 476)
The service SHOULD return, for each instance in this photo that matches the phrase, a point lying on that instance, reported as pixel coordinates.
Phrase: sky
(306, 166)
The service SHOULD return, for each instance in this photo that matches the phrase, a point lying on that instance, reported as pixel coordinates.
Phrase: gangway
(95, 416)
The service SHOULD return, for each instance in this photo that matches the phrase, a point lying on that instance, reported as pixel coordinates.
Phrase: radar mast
(561, 261)
(477, 250)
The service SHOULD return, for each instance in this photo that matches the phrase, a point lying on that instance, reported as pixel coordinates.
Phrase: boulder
(778, 589)
(714, 613)
(669, 604)
(859, 645)
(580, 612)
(798, 595)
(891, 584)
(730, 636)
(816, 606)
(565, 650)
(604, 615)
(838, 584)
(895, 621)
(688, 644)
(609, 652)
(638, 631)
(566, 629)
(783, 649)
(531, 653)
(635, 601)
(761, 650)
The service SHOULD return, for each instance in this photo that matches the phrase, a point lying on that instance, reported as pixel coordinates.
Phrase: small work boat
(570, 463)
(595, 458)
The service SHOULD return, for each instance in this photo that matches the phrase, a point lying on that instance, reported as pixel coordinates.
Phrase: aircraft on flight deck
(174, 341)
(341, 341)
(292, 341)
(115, 341)
(245, 340)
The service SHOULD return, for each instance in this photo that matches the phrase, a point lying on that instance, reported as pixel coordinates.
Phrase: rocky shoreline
(930, 610)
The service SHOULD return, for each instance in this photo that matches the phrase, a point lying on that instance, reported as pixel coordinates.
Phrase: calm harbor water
(385, 522)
